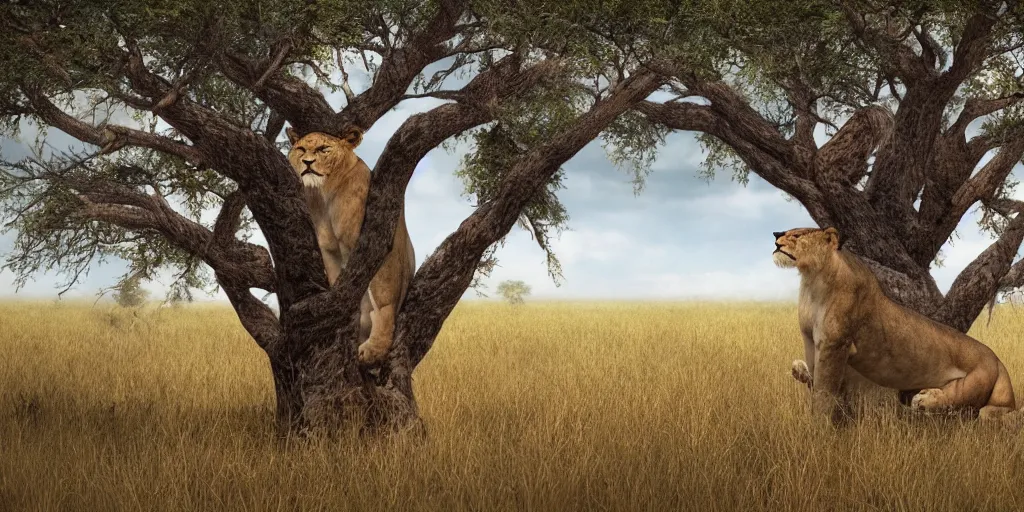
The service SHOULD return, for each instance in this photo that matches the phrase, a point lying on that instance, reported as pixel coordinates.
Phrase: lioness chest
(811, 311)
(337, 229)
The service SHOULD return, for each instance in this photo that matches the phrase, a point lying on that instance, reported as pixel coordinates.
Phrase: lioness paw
(370, 353)
(801, 373)
(928, 399)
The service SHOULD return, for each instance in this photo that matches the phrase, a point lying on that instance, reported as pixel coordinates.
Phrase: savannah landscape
(154, 134)
(543, 406)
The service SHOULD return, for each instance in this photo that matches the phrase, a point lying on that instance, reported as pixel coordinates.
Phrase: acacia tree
(925, 101)
(129, 293)
(513, 291)
(211, 85)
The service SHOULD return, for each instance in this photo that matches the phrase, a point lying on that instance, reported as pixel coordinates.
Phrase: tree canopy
(889, 120)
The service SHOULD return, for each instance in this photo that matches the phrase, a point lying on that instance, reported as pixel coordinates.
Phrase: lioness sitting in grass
(846, 319)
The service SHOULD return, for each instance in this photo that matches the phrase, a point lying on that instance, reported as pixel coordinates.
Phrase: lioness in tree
(846, 319)
(336, 183)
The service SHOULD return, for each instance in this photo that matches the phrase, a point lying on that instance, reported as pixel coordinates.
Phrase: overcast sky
(681, 238)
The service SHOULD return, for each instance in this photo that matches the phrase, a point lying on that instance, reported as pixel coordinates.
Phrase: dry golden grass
(545, 407)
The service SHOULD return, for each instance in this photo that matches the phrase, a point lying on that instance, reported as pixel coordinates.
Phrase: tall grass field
(546, 406)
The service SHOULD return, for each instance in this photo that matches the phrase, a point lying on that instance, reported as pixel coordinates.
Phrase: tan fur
(336, 182)
(846, 319)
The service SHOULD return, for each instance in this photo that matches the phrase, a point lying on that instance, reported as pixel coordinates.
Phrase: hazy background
(680, 238)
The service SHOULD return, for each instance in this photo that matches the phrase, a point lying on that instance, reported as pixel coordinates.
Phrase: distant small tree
(513, 291)
(129, 293)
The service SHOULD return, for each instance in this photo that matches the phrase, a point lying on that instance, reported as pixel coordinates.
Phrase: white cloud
(742, 203)
(762, 281)
(596, 245)
(680, 238)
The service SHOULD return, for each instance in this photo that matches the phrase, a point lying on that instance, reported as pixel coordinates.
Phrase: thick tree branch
(108, 137)
(951, 191)
(900, 169)
(241, 262)
(273, 193)
(275, 123)
(938, 215)
(229, 218)
(978, 107)
(767, 153)
(303, 106)
(446, 274)
(982, 278)
(306, 109)
(257, 318)
(1014, 278)
(845, 156)
(991, 177)
(238, 266)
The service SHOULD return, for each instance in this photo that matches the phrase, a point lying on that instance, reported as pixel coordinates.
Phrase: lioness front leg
(802, 374)
(382, 321)
(828, 392)
(803, 371)
(382, 330)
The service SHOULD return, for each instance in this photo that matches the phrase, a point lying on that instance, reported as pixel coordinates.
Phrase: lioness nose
(778, 233)
(308, 162)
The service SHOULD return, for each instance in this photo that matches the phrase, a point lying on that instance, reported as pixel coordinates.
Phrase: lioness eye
(321, 149)
(302, 149)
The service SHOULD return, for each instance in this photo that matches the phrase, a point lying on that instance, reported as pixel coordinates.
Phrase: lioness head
(804, 247)
(316, 155)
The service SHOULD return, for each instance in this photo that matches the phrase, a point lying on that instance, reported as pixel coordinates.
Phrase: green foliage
(721, 157)
(514, 292)
(764, 51)
(128, 293)
(38, 198)
(523, 125)
(631, 142)
(481, 173)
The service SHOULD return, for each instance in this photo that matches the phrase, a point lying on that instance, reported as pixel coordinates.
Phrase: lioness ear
(293, 137)
(354, 136)
(834, 238)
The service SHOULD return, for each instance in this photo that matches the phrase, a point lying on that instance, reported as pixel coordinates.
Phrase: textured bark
(446, 274)
(914, 155)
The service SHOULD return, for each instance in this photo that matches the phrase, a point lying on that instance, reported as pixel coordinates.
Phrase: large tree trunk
(324, 391)
(320, 387)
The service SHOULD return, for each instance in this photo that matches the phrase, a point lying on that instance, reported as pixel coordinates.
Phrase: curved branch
(991, 177)
(229, 219)
(257, 318)
(781, 173)
(979, 107)
(900, 169)
(303, 106)
(446, 274)
(982, 278)
(845, 156)
(108, 137)
(240, 262)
